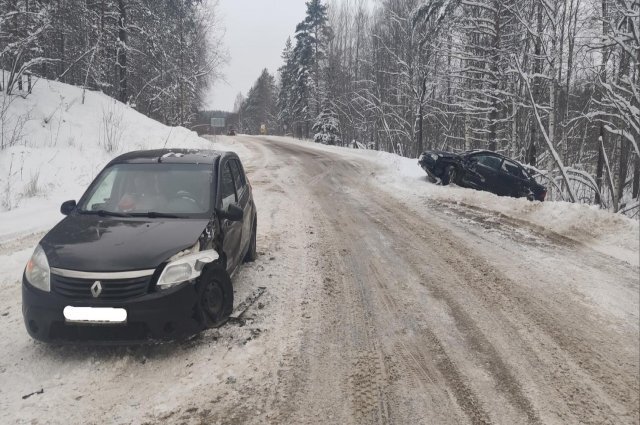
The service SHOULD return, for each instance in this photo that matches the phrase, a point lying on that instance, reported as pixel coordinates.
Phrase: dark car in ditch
(147, 253)
(482, 170)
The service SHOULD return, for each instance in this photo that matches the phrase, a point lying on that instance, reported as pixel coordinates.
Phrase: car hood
(105, 244)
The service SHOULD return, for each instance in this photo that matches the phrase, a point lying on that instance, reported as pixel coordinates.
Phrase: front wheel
(216, 300)
(450, 175)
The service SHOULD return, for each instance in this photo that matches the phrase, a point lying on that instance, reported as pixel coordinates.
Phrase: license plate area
(95, 315)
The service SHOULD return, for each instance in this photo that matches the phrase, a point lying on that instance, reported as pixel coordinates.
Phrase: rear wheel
(251, 254)
(216, 300)
(450, 175)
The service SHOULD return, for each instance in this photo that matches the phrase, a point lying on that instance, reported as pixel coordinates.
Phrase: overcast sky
(256, 31)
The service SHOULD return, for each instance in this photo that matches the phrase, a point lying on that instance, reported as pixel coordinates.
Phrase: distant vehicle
(263, 129)
(482, 170)
(146, 253)
(231, 132)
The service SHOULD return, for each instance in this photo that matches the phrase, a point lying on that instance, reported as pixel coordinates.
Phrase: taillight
(543, 195)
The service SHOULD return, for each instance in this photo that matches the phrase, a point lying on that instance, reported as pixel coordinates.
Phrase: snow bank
(613, 234)
(60, 144)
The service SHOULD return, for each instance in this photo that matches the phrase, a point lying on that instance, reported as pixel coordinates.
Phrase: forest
(158, 56)
(552, 83)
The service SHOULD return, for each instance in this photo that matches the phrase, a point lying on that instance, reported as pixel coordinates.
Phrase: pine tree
(312, 37)
(285, 101)
(259, 107)
(326, 127)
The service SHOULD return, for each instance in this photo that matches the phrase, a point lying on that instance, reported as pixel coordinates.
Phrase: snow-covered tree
(619, 103)
(23, 30)
(159, 56)
(259, 107)
(286, 99)
(312, 37)
(237, 104)
(326, 127)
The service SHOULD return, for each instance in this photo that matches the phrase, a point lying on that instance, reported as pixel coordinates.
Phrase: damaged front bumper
(428, 165)
(164, 315)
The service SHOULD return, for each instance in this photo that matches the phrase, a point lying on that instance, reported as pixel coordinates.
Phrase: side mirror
(67, 207)
(233, 213)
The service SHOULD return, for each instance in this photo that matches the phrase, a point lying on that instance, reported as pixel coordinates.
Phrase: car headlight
(37, 271)
(434, 156)
(185, 268)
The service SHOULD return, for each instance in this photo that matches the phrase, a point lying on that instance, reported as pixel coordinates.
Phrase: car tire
(216, 299)
(251, 254)
(450, 175)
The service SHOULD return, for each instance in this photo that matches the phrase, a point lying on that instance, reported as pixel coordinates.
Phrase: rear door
(244, 200)
(231, 230)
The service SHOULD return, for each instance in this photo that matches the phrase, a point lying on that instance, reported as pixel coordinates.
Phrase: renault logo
(96, 289)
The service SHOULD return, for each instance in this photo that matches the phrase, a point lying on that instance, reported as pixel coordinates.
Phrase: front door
(485, 172)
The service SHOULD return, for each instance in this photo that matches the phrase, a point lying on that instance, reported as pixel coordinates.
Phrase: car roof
(486, 151)
(172, 156)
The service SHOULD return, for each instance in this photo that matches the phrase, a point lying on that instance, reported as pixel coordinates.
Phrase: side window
(237, 176)
(489, 161)
(513, 169)
(227, 191)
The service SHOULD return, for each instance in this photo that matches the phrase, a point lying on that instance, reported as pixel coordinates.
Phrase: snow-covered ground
(613, 234)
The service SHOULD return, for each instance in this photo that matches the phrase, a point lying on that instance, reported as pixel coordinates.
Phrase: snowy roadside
(611, 234)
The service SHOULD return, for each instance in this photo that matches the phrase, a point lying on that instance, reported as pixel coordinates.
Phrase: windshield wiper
(154, 214)
(104, 213)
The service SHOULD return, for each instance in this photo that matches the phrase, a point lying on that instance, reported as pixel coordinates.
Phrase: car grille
(114, 289)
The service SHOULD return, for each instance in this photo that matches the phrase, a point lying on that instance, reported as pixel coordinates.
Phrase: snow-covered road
(378, 309)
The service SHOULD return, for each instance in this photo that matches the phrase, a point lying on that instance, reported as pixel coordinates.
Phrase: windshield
(180, 190)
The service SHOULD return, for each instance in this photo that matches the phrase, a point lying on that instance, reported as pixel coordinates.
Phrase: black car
(231, 132)
(147, 252)
(482, 170)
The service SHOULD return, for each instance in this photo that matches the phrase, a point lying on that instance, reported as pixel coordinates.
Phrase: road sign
(218, 122)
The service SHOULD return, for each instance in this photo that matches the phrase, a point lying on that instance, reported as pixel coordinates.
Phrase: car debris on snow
(248, 302)
(26, 396)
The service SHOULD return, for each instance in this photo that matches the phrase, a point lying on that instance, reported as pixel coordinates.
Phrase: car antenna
(165, 144)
